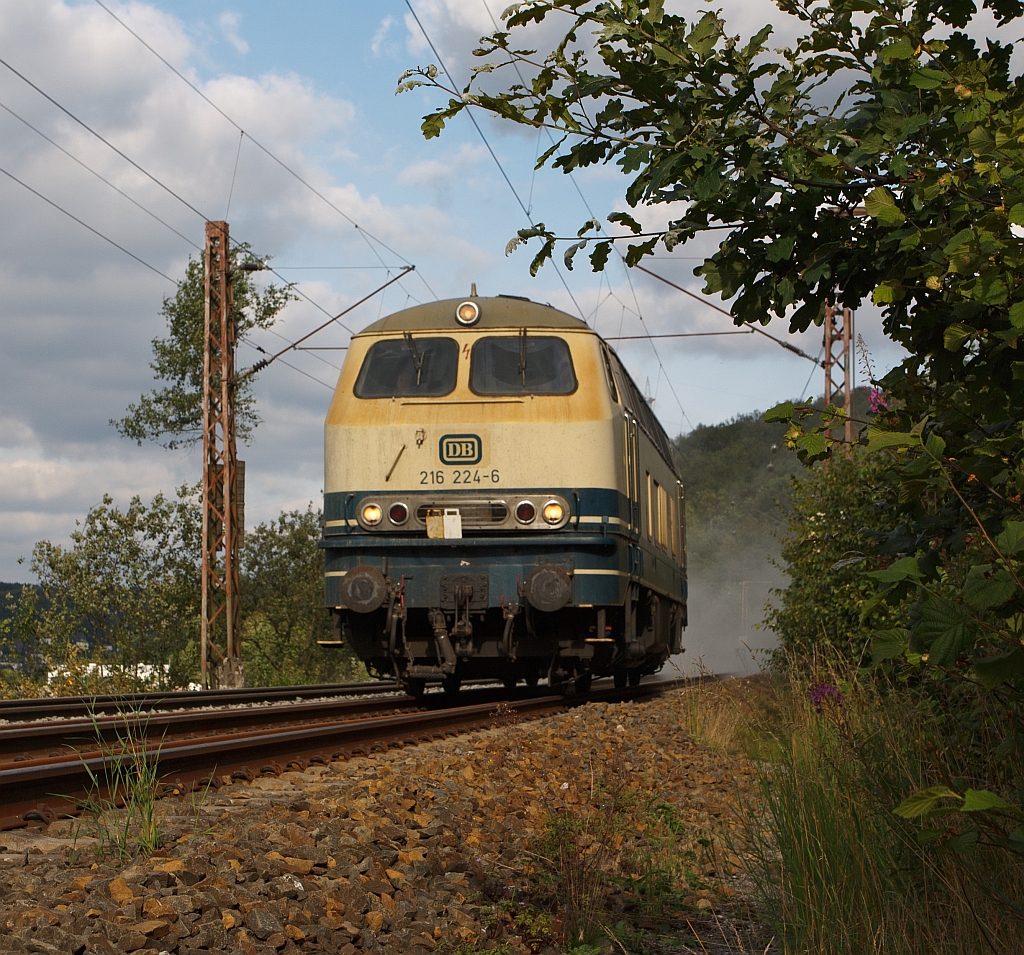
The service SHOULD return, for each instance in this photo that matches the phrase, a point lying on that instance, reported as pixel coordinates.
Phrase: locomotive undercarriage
(568, 647)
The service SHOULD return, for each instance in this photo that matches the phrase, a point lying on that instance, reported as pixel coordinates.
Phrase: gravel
(421, 849)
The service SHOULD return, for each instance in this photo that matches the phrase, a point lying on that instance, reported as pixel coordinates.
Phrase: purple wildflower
(877, 400)
(825, 693)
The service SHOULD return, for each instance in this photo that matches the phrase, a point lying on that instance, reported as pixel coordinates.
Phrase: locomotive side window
(522, 365)
(409, 368)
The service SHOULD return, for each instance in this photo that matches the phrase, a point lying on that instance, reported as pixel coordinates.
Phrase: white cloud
(228, 23)
(78, 315)
(381, 34)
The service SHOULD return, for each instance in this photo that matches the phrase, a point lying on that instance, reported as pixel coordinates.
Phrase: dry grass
(835, 871)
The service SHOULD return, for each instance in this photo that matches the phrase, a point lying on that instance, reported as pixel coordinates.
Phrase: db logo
(460, 449)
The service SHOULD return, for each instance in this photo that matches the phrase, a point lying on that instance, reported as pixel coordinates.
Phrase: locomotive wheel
(451, 685)
(415, 687)
(532, 678)
(634, 677)
(509, 682)
(583, 682)
(620, 677)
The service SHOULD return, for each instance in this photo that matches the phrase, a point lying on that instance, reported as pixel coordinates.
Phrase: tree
(880, 156)
(173, 415)
(282, 606)
(118, 610)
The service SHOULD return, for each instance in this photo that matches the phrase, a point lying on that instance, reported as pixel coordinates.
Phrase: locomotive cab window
(522, 365)
(409, 368)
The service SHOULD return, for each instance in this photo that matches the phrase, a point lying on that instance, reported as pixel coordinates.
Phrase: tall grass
(837, 871)
(122, 800)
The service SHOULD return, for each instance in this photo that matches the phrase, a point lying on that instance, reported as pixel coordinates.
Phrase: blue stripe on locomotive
(604, 554)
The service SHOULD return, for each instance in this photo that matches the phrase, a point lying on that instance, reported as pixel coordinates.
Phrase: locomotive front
(476, 501)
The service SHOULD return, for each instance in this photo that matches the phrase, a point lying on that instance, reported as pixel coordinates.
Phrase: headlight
(372, 513)
(553, 512)
(525, 512)
(468, 313)
(398, 514)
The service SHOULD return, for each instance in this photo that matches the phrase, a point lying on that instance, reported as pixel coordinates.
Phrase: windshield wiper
(522, 355)
(417, 358)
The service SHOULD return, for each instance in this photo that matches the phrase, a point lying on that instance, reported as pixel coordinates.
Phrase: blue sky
(314, 82)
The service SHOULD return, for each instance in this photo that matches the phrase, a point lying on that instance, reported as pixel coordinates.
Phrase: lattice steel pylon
(839, 359)
(222, 474)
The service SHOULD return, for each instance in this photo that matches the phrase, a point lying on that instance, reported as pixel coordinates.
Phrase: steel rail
(79, 735)
(45, 707)
(38, 790)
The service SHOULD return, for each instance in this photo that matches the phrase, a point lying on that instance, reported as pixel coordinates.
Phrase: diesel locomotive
(499, 502)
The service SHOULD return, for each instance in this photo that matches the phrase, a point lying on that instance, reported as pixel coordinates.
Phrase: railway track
(39, 783)
(14, 711)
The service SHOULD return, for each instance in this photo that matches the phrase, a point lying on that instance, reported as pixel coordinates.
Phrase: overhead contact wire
(494, 155)
(367, 236)
(89, 169)
(85, 225)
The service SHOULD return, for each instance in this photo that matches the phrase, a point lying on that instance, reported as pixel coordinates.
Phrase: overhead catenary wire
(750, 325)
(593, 218)
(252, 344)
(103, 179)
(103, 140)
(260, 365)
(494, 155)
(150, 176)
(626, 338)
(367, 236)
(85, 225)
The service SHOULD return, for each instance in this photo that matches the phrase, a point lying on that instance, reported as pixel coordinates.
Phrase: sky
(312, 85)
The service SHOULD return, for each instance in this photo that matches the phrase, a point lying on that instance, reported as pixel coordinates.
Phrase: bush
(836, 512)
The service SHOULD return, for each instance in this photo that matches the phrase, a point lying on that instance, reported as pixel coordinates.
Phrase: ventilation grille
(474, 513)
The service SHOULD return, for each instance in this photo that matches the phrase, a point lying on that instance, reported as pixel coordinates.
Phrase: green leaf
(624, 218)
(704, 35)
(1004, 668)
(988, 586)
(955, 336)
(1011, 540)
(432, 125)
(958, 241)
(927, 79)
(945, 628)
(781, 412)
(599, 257)
(1016, 215)
(888, 644)
(981, 800)
(884, 294)
(1017, 315)
(905, 568)
(571, 252)
(814, 446)
(902, 49)
(880, 204)
(924, 801)
(879, 439)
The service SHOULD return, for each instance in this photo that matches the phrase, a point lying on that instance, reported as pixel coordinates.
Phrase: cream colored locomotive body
(431, 424)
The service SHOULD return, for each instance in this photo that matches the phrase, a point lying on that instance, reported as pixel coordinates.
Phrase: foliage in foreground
(118, 610)
(838, 871)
